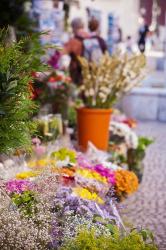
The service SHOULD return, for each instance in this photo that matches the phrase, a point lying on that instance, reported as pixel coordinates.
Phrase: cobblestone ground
(147, 207)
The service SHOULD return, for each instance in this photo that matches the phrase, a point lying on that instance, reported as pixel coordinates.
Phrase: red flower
(68, 79)
(130, 122)
(59, 78)
(34, 74)
(55, 78)
(38, 91)
(52, 79)
(68, 180)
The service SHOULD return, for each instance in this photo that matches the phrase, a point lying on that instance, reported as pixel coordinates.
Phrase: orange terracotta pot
(93, 126)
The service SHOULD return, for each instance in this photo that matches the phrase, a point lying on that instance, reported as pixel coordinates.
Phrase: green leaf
(111, 228)
(8, 75)
(144, 235)
(12, 85)
(3, 85)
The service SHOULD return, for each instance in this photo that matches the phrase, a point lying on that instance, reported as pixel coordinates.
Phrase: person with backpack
(75, 48)
(89, 45)
(94, 46)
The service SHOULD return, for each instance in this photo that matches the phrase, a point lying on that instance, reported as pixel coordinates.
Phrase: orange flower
(126, 182)
(68, 171)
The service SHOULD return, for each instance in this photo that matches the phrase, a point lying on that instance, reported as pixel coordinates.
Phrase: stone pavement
(147, 207)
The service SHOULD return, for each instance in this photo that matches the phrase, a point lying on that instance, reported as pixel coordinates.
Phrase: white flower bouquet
(124, 131)
(110, 79)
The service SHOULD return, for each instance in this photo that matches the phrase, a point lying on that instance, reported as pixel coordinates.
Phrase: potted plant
(60, 88)
(135, 156)
(103, 84)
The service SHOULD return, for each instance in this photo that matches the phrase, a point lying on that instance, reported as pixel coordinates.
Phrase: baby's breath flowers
(20, 232)
(107, 81)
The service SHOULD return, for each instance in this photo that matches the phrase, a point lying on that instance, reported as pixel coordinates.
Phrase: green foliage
(16, 106)
(135, 156)
(26, 202)
(64, 154)
(60, 98)
(60, 94)
(72, 113)
(13, 13)
(143, 143)
(72, 117)
(90, 240)
(48, 130)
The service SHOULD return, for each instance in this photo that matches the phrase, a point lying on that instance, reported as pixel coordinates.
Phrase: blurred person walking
(89, 45)
(74, 48)
(129, 45)
(143, 32)
(94, 46)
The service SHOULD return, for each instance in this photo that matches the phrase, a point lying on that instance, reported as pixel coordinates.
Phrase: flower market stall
(52, 194)
(50, 202)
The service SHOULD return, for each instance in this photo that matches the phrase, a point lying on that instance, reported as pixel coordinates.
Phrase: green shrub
(89, 240)
(136, 156)
(72, 117)
(16, 106)
(26, 202)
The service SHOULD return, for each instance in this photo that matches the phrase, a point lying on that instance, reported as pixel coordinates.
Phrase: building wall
(126, 10)
(42, 4)
(147, 5)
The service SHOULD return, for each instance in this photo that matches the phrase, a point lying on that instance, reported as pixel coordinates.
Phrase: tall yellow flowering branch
(107, 81)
